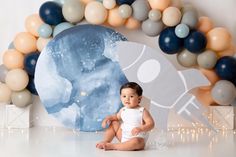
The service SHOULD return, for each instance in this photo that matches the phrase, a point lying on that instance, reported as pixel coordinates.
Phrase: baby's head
(133, 85)
(131, 94)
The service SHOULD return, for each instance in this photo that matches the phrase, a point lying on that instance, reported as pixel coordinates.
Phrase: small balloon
(109, 4)
(226, 68)
(21, 98)
(181, 30)
(207, 59)
(140, 10)
(125, 11)
(187, 59)
(154, 15)
(223, 92)
(152, 28)
(51, 13)
(45, 30)
(195, 42)
(171, 16)
(17, 79)
(159, 4)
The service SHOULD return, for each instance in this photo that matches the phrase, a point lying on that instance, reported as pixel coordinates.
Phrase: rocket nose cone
(128, 53)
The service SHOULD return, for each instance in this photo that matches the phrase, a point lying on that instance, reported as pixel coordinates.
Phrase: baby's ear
(140, 98)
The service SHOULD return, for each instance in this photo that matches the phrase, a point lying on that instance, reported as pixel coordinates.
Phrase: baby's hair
(133, 85)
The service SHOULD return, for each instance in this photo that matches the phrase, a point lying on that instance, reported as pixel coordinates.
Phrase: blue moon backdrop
(78, 76)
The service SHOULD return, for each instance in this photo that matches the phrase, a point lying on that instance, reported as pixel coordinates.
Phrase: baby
(130, 125)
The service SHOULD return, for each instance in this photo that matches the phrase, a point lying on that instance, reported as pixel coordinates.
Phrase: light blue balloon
(11, 45)
(61, 27)
(181, 30)
(45, 31)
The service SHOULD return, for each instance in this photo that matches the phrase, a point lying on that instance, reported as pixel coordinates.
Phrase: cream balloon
(171, 16)
(73, 11)
(17, 79)
(114, 18)
(95, 13)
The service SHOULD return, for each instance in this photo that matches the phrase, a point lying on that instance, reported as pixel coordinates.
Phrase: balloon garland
(194, 40)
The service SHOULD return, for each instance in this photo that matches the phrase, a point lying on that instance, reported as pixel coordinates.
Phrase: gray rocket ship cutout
(166, 87)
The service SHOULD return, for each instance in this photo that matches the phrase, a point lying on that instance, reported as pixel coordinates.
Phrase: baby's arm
(147, 125)
(110, 118)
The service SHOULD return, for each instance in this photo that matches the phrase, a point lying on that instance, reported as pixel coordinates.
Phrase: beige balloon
(21, 98)
(73, 11)
(171, 16)
(17, 79)
(25, 42)
(5, 93)
(187, 59)
(95, 13)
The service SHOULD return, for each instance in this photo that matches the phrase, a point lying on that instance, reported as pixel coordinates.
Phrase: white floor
(61, 142)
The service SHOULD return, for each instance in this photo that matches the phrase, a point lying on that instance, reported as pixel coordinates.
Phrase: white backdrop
(14, 12)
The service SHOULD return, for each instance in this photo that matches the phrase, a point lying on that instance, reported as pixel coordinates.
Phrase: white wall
(14, 12)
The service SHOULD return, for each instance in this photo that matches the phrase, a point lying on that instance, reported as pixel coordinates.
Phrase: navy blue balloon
(51, 13)
(226, 68)
(30, 62)
(120, 2)
(31, 86)
(169, 42)
(195, 42)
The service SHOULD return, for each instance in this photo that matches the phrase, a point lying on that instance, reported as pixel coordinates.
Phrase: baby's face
(130, 98)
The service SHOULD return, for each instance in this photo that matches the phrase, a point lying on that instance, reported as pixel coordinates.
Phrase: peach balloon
(228, 52)
(211, 76)
(13, 59)
(32, 23)
(218, 39)
(204, 96)
(205, 24)
(25, 42)
(5, 93)
(114, 18)
(17, 79)
(95, 13)
(132, 23)
(171, 16)
(42, 42)
(86, 1)
(159, 4)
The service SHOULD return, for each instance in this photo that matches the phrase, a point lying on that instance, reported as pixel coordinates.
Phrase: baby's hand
(106, 122)
(136, 131)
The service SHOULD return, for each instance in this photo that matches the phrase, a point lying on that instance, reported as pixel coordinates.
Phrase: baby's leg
(132, 144)
(112, 131)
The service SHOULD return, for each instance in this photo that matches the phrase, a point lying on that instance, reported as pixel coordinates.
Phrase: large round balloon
(169, 42)
(226, 68)
(78, 76)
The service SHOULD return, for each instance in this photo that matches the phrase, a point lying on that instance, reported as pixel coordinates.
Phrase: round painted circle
(78, 77)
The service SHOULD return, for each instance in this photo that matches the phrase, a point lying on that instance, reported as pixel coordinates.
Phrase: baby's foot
(101, 145)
